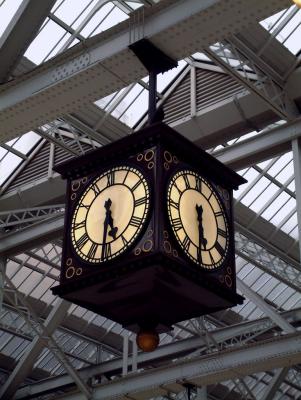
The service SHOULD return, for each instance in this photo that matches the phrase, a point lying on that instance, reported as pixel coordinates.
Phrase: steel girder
(68, 81)
(29, 215)
(43, 337)
(264, 146)
(283, 351)
(20, 32)
(233, 337)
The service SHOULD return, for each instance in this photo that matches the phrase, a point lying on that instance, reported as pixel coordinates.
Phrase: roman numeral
(177, 224)
(124, 241)
(106, 251)
(177, 187)
(79, 225)
(186, 243)
(221, 232)
(211, 193)
(219, 248)
(92, 251)
(95, 189)
(83, 206)
(82, 241)
(111, 178)
(198, 184)
(135, 221)
(136, 185)
(187, 184)
(126, 175)
(139, 202)
(218, 213)
(211, 258)
(174, 204)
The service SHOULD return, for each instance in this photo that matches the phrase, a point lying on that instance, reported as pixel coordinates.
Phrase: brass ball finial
(147, 340)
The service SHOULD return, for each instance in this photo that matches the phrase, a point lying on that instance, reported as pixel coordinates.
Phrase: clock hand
(202, 239)
(109, 220)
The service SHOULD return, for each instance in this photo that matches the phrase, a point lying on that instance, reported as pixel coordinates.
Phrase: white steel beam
(240, 333)
(2, 276)
(104, 63)
(25, 364)
(43, 338)
(282, 351)
(296, 146)
(263, 306)
(20, 32)
(261, 147)
(270, 392)
(34, 235)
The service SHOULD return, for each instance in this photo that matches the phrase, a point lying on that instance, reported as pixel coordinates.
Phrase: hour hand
(113, 231)
(109, 219)
(202, 239)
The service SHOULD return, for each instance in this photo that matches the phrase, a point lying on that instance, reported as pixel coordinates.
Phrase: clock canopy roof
(153, 135)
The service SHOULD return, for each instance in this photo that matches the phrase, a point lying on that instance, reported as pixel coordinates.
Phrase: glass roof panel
(73, 12)
(8, 9)
(46, 42)
(8, 164)
(286, 27)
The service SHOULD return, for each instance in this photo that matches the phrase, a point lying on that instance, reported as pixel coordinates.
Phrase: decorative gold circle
(221, 278)
(69, 261)
(75, 186)
(150, 233)
(229, 270)
(84, 180)
(175, 159)
(147, 245)
(149, 155)
(165, 235)
(167, 156)
(79, 271)
(140, 157)
(150, 165)
(73, 196)
(175, 253)
(69, 272)
(167, 246)
(137, 251)
(228, 280)
(166, 165)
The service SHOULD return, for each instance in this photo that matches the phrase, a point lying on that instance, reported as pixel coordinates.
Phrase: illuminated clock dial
(110, 214)
(198, 219)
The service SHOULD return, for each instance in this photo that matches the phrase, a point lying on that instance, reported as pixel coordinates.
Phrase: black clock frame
(156, 284)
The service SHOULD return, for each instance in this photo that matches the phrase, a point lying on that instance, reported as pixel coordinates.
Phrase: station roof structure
(69, 84)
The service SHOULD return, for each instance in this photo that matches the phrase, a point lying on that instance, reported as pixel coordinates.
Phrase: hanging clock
(149, 238)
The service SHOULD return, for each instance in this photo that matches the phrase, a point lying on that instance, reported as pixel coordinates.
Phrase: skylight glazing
(70, 22)
(286, 27)
(13, 153)
(8, 9)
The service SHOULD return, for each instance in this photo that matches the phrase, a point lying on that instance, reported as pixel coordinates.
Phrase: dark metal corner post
(156, 62)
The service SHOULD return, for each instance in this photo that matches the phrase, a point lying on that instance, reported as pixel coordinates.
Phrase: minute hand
(202, 239)
(108, 222)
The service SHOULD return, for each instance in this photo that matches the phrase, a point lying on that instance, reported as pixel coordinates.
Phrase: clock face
(110, 214)
(198, 219)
